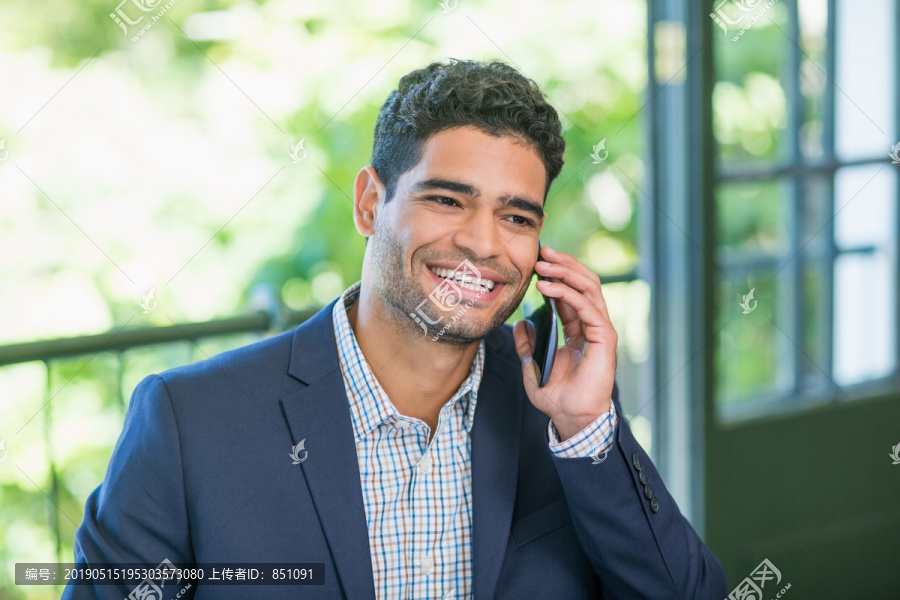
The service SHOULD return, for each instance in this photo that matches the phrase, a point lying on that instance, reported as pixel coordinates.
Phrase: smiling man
(425, 461)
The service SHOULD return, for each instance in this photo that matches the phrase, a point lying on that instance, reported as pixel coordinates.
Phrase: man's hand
(580, 386)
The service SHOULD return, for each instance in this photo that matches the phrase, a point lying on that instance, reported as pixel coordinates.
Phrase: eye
(522, 221)
(443, 200)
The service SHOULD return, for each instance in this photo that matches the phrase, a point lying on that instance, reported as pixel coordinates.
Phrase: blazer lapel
(496, 434)
(320, 414)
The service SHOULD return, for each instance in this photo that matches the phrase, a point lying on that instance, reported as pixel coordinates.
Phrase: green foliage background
(163, 164)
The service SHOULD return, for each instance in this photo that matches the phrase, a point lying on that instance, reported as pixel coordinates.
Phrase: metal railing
(118, 342)
(125, 339)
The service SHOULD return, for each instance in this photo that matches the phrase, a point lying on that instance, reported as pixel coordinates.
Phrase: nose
(480, 235)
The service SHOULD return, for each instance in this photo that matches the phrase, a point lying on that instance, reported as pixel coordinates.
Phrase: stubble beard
(405, 296)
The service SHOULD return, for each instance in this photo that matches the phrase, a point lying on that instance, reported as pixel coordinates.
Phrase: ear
(368, 198)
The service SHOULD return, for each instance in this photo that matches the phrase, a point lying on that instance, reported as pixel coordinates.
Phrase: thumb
(523, 334)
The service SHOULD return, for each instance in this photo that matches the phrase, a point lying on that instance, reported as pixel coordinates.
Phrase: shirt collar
(369, 403)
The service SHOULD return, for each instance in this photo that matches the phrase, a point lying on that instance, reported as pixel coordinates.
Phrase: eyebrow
(460, 187)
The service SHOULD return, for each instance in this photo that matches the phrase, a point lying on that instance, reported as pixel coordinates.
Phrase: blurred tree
(163, 164)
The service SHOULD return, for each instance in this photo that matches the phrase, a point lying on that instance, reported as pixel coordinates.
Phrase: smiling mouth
(464, 280)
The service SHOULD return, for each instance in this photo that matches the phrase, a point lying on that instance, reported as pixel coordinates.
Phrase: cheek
(523, 286)
(426, 230)
(526, 269)
(527, 277)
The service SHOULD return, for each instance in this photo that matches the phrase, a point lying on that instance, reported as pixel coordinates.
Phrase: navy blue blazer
(202, 474)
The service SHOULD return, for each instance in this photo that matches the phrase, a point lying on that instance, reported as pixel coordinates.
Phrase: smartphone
(546, 335)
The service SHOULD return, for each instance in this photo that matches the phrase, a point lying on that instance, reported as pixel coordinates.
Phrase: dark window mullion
(737, 264)
(790, 312)
(896, 92)
(737, 173)
(648, 236)
(829, 255)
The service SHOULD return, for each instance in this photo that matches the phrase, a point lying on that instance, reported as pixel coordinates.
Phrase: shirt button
(427, 564)
(425, 464)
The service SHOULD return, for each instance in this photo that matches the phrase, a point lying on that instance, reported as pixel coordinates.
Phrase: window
(805, 115)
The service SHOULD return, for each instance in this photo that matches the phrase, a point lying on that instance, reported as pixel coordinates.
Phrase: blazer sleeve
(138, 514)
(637, 540)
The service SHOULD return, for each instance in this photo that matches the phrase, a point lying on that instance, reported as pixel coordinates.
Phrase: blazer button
(654, 504)
(648, 492)
(642, 477)
(636, 462)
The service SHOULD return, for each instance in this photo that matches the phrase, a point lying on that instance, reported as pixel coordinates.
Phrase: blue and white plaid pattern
(418, 494)
(594, 440)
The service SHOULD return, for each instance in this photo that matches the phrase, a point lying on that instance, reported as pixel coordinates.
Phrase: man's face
(472, 197)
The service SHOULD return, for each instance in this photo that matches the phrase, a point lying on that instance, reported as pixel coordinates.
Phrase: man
(425, 461)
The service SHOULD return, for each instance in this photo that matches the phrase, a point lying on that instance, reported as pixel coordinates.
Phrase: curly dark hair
(494, 97)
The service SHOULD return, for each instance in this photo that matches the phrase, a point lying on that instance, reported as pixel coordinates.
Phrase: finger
(573, 328)
(524, 336)
(582, 279)
(551, 255)
(532, 334)
(595, 322)
(575, 274)
(529, 333)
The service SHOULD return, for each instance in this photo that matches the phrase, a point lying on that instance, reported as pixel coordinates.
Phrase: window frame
(797, 171)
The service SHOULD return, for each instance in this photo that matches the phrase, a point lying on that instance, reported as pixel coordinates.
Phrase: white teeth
(468, 281)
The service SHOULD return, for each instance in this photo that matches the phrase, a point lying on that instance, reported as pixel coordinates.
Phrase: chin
(464, 335)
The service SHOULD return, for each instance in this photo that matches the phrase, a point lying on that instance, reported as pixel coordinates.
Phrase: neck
(418, 374)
